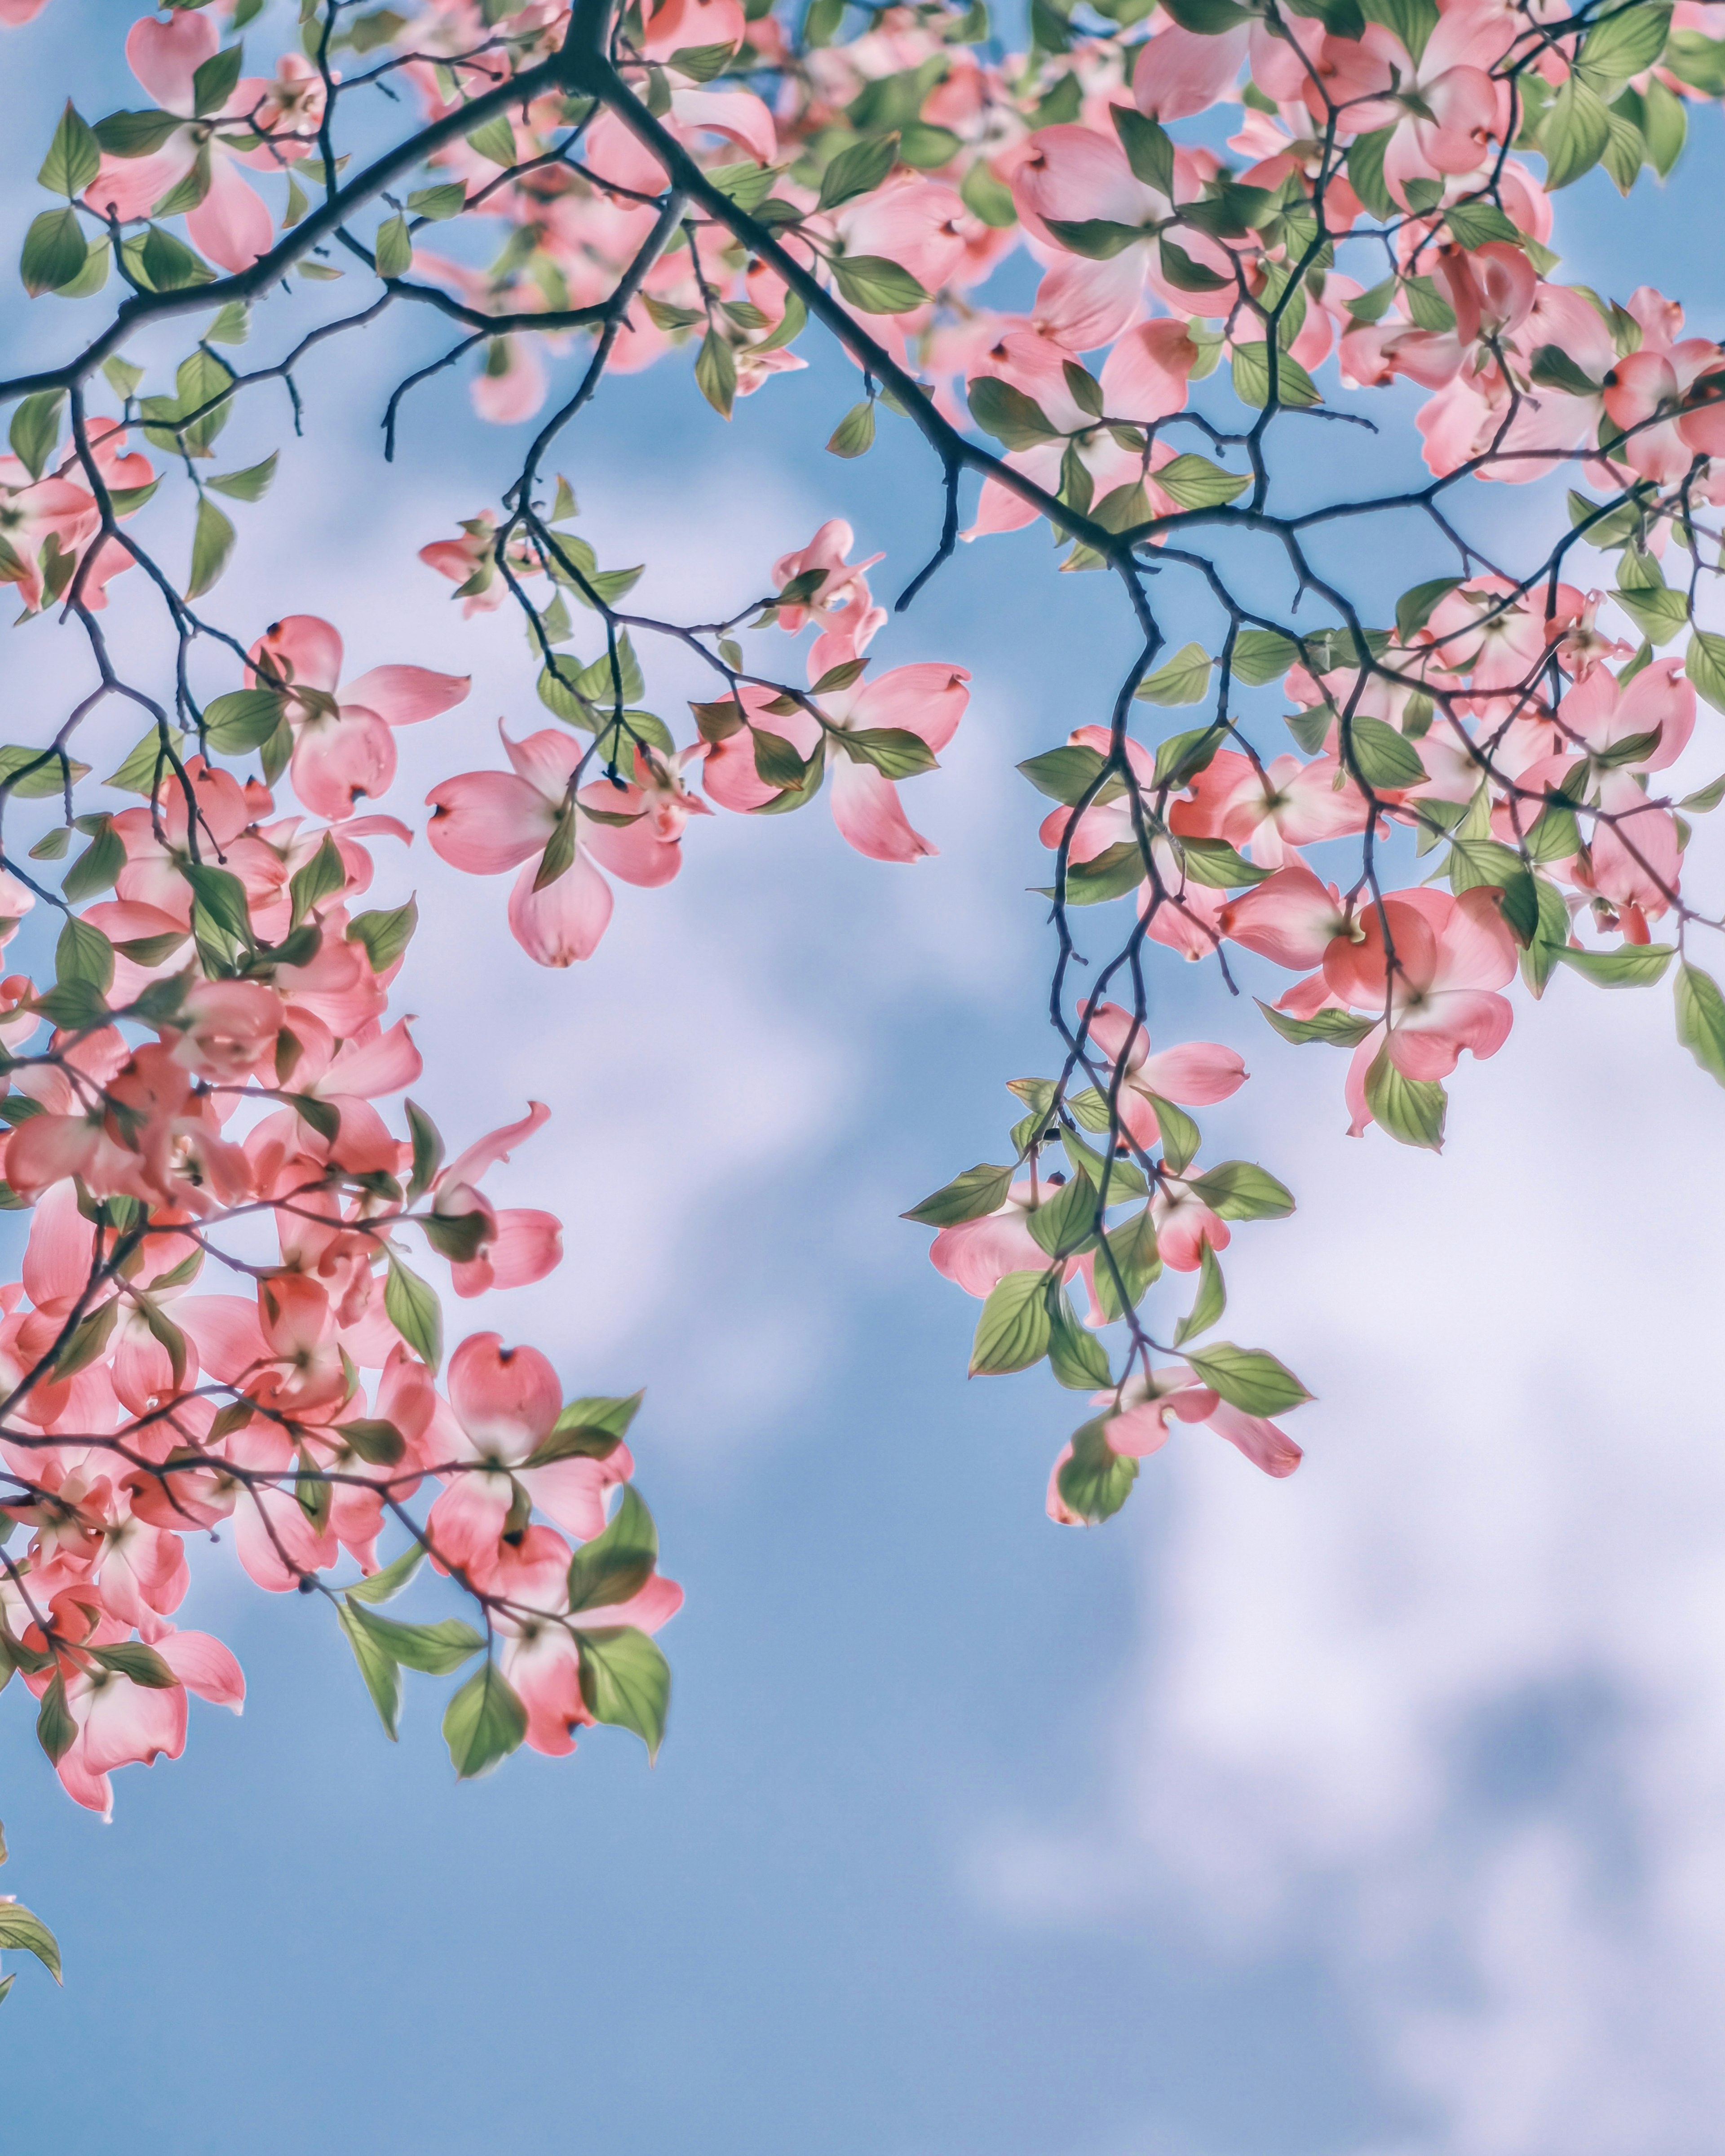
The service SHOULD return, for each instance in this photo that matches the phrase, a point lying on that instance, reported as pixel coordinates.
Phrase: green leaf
(618, 1561)
(1077, 1358)
(320, 877)
(1700, 1018)
(1411, 1109)
(1125, 1178)
(213, 82)
(385, 935)
(1181, 756)
(1097, 1481)
(55, 251)
(1664, 124)
(854, 434)
(1413, 21)
(1475, 224)
(1180, 1135)
(716, 373)
(1474, 864)
(1015, 420)
(1383, 759)
(1012, 1331)
(1064, 1223)
(36, 429)
(73, 156)
(436, 1648)
(95, 868)
(1149, 148)
(1622, 44)
(977, 1192)
(987, 198)
(894, 750)
(625, 1681)
(379, 1444)
(1183, 679)
(56, 1733)
(875, 285)
(589, 1429)
(1065, 774)
(1214, 863)
(1195, 483)
(437, 203)
(1657, 613)
(1553, 368)
(166, 263)
(222, 895)
(1631, 966)
(1241, 1190)
(1416, 607)
(142, 1664)
(1263, 655)
(251, 484)
(1249, 1378)
(233, 323)
(83, 954)
(858, 169)
(1365, 173)
(1097, 238)
(1179, 269)
(22, 1928)
(392, 249)
(1139, 1261)
(136, 134)
(137, 774)
(495, 140)
(1209, 1303)
(1115, 871)
(212, 544)
(43, 772)
(1697, 59)
(1573, 134)
(413, 1309)
(484, 1722)
(242, 719)
(383, 1679)
(383, 1586)
(1705, 665)
(428, 1151)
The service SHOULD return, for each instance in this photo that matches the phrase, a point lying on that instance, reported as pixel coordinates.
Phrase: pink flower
(1194, 1074)
(343, 751)
(504, 1401)
(485, 822)
(1451, 954)
(926, 701)
(230, 224)
(1147, 1405)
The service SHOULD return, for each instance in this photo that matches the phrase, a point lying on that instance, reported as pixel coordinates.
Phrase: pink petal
(204, 1665)
(339, 761)
(166, 57)
(487, 821)
(401, 695)
(498, 1145)
(231, 224)
(926, 701)
(506, 1398)
(1263, 1444)
(865, 807)
(564, 921)
(304, 649)
(1196, 1073)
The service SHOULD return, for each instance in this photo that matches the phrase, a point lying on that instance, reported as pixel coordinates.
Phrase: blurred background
(1378, 1812)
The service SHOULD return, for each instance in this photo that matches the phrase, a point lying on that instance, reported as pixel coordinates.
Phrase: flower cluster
(1478, 790)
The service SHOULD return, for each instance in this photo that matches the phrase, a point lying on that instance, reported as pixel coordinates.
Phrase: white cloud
(1447, 1710)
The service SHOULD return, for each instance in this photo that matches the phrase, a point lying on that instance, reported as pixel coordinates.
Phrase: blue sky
(1371, 1814)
